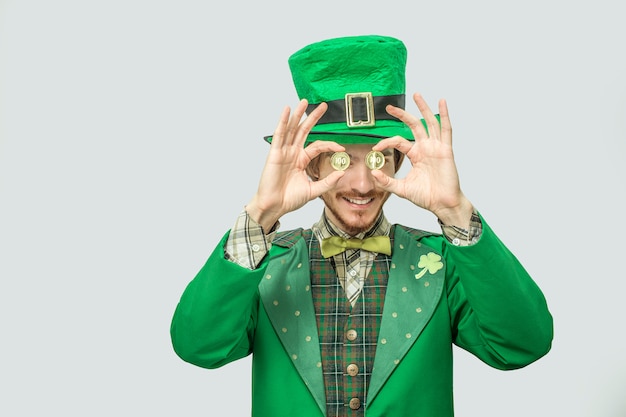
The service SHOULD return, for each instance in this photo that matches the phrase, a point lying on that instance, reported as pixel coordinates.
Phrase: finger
(294, 122)
(414, 123)
(320, 146)
(315, 115)
(446, 126)
(395, 142)
(428, 115)
(326, 184)
(309, 122)
(281, 127)
(385, 182)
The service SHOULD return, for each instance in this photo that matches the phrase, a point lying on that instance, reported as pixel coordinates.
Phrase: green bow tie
(334, 245)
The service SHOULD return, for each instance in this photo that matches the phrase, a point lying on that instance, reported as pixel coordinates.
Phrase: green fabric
(484, 302)
(330, 69)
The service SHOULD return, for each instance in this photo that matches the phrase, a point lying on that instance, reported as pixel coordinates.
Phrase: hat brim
(340, 133)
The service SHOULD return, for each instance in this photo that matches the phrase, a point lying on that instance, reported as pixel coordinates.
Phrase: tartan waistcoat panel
(346, 388)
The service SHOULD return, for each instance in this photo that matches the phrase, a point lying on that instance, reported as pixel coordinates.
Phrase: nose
(359, 177)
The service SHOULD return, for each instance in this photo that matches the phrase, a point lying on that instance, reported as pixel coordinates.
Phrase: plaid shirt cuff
(247, 244)
(462, 237)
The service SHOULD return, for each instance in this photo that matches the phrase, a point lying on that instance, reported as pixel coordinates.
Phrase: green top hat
(357, 76)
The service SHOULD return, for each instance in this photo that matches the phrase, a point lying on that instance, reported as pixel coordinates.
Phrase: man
(356, 316)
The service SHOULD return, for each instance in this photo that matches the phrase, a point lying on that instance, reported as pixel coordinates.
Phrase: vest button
(355, 403)
(353, 369)
(351, 335)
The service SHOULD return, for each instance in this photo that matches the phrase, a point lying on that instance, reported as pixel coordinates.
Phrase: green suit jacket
(478, 297)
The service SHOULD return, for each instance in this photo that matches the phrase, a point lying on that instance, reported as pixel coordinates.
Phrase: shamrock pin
(430, 262)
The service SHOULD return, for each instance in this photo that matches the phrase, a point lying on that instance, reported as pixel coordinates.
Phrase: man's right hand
(284, 185)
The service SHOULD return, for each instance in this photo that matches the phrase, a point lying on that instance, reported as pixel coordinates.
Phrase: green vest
(348, 334)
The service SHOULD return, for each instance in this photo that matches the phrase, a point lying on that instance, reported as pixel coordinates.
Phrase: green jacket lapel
(286, 296)
(416, 281)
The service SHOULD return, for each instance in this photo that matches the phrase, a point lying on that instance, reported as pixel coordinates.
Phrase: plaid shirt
(342, 262)
(247, 243)
(348, 334)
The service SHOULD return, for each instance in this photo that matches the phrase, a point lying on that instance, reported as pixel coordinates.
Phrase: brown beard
(361, 227)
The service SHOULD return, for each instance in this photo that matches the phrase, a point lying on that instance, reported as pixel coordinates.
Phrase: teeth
(355, 201)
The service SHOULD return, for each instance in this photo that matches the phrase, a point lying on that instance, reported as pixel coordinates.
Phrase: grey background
(131, 137)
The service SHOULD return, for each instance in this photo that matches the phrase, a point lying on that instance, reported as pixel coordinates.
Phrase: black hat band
(359, 109)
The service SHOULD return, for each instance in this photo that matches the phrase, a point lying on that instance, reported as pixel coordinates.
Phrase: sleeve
(462, 237)
(215, 318)
(498, 313)
(247, 243)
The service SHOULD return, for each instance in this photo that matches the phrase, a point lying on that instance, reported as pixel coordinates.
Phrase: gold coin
(375, 160)
(340, 161)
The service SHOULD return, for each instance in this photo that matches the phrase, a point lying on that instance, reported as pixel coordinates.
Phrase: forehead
(358, 149)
